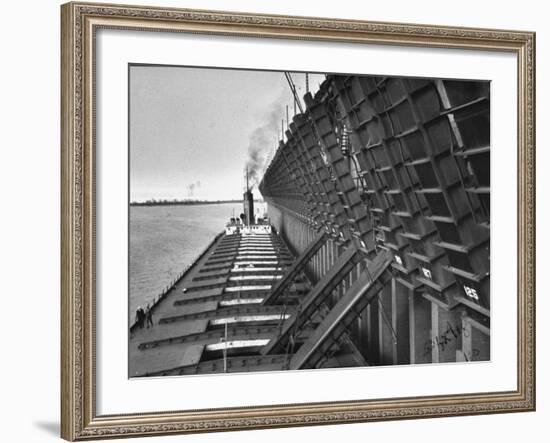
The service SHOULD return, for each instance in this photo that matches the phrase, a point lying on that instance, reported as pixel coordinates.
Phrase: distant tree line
(176, 202)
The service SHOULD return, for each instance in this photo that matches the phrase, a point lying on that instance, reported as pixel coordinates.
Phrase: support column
(466, 353)
(475, 341)
(385, 338)
(481, 350)
(400, 322)
(327, 257)
(420, 311)
(335, 253)
(342, 285)
(372, 332)
(324, 265)
(446, 338)
(356, 326)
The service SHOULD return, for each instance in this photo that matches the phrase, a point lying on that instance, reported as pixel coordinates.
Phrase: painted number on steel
(471, 292)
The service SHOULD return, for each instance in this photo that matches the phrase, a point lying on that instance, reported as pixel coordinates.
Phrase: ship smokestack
(248, 204)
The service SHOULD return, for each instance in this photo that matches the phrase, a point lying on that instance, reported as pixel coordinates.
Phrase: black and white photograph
(292, 220)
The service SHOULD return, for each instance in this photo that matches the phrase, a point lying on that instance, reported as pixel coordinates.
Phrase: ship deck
(212, 319)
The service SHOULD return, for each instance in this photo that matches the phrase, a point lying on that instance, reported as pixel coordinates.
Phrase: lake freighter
(214, 318)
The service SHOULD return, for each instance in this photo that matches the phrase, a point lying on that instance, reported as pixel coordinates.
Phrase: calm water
(166, 239)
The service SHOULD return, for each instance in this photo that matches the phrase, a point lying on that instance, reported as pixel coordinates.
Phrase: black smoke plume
(263, 141)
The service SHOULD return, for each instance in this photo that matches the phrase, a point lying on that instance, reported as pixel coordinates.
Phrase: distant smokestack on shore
(261, 143)
(191, 188)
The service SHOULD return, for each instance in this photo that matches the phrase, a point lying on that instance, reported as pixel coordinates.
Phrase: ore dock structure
(375, 250)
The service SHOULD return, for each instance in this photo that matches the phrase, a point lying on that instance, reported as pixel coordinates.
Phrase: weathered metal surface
(400, 165)
(336, 323)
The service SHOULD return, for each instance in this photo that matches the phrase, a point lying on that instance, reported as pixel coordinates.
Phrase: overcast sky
(190, 128)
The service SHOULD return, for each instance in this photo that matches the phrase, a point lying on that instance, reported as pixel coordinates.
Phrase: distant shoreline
(186, 202)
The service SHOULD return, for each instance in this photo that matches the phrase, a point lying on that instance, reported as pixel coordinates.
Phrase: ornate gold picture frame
(79, 417)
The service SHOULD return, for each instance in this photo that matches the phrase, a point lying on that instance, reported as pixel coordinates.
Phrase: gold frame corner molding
(79, 22)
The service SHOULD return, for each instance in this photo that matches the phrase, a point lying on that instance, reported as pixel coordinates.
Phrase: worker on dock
(140, 317)
(149, 316)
